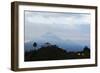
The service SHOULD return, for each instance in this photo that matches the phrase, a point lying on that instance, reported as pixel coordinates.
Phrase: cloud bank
(67, 26)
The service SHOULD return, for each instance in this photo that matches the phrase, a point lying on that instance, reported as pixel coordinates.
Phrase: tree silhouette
(54, 52)
(35, 45)
(86, 51)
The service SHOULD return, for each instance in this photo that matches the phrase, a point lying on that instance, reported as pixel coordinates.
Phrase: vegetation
(53, 52)
(34, 45)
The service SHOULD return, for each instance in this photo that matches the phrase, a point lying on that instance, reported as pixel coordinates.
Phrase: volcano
(56, 40)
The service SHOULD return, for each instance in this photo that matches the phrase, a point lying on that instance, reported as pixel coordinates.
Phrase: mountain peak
(49, 34)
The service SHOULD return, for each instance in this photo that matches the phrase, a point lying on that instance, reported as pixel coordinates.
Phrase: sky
(66, 26)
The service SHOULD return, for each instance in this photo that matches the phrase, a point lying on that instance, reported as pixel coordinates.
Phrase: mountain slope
(53, 39)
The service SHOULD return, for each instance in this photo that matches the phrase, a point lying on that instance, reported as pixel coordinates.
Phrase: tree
(34, 45)
(86, 51)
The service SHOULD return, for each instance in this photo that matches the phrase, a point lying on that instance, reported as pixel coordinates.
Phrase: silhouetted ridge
(53, 52)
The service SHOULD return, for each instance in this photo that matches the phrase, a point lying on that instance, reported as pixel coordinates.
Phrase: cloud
(70, 26)
(56, 18)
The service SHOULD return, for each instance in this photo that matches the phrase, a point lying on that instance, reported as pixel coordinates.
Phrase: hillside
(53, 52)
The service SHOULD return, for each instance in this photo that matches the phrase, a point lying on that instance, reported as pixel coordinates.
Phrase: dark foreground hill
(55, 53)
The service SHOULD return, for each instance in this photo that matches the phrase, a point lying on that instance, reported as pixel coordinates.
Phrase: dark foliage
(53, 52)
(34, 44)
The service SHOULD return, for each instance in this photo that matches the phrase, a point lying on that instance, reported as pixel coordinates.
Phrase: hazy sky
(67, 26)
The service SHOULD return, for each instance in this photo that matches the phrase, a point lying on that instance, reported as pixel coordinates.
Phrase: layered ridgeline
(51, 47)
(68, 45)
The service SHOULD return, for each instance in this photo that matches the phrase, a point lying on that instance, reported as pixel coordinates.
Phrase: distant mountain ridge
(53, 39)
